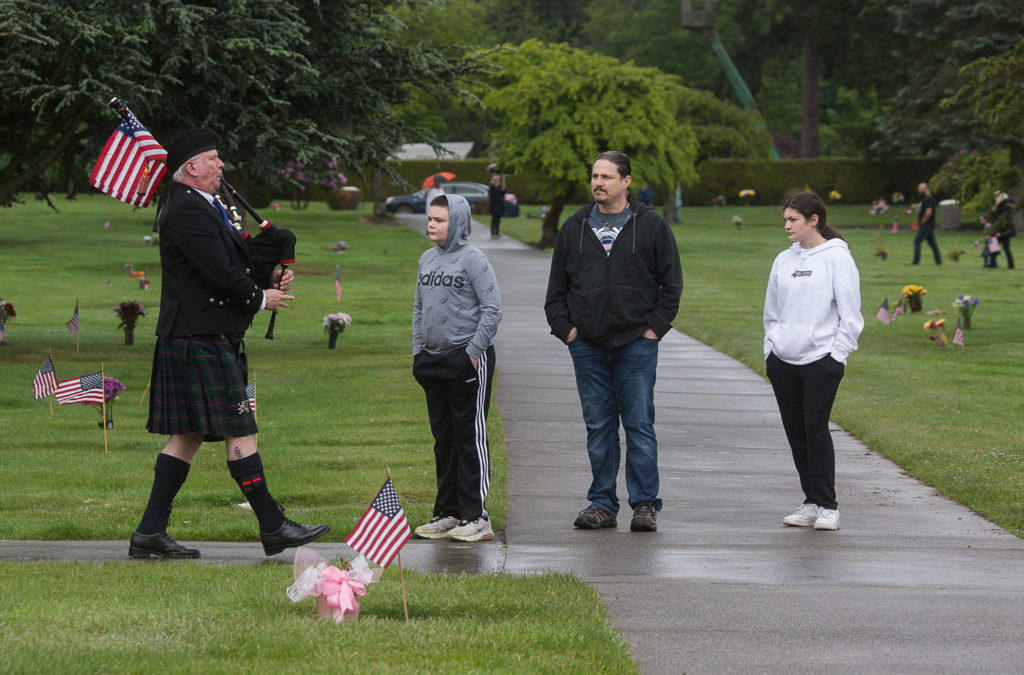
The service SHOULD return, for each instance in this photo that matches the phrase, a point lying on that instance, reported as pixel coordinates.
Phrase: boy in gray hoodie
(455, 316)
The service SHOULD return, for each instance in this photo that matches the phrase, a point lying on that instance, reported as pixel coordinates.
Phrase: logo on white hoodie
(801, 273)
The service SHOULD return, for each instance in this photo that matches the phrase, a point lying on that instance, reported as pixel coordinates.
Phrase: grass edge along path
(186, 617)
(946, 415)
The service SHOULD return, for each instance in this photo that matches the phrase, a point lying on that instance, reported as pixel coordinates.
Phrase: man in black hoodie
(612, 293)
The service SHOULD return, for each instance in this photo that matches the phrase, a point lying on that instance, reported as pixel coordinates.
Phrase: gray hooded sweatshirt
(457, 302)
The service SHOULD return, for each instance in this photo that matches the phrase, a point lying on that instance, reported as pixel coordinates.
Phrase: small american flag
(2, 333)
(883, 312)
(131, 164)
(84, 389)
(899, 309)
(73, 324)
(250, 392)
(383, 529)
(958, 334)
(337, 281)
(45, 382)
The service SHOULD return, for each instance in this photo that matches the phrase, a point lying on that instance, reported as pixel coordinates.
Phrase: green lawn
(331, 424)
(949, 416)
(189, 618)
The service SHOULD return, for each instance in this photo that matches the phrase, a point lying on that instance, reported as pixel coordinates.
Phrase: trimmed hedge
(860, 181)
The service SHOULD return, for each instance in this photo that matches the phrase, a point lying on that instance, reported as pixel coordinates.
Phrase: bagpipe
(130, 168)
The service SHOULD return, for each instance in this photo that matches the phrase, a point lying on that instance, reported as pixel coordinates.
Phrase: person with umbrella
(433, 185)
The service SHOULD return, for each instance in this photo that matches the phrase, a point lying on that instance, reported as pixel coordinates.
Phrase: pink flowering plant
(111, 388)
(129, 312)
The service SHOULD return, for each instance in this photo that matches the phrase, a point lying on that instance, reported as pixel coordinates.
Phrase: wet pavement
(912, 582)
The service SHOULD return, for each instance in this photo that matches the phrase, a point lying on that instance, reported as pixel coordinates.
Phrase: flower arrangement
(835, 196)
(6, 314)
(718, 200)
(937, 327)
(337, 323)
(955, 251)
(898, 198)
(111, 388)
(966, 305)
(334, 588)
(881, 252)
(747, 195)
(334, 325)
(129, 312)
(879, 207)
(737, 221)
(913, 294)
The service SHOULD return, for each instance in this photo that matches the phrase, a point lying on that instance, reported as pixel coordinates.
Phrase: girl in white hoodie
(812, 321)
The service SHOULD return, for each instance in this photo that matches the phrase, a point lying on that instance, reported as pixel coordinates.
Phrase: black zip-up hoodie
(612, 299)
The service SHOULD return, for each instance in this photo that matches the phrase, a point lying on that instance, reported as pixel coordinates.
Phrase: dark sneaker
(594, 518)
(645, 518)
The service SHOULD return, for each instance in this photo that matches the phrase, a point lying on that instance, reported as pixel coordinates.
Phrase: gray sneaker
(473, 530)
(645, 518)
(594, 518)
(438, 528)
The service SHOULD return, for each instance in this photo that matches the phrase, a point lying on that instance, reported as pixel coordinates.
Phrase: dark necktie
(223, 213)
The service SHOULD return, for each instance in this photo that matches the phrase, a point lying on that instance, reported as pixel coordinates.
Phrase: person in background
(1002, 225)
(496, 202)
(926, 225)
(812, 321)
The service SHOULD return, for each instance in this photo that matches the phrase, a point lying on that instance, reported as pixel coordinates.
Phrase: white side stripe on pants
(480, 427)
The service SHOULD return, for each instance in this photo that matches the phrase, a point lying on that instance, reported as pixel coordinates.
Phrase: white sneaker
(438, 527)
(805, 516)
(473, 530)
(828, 519)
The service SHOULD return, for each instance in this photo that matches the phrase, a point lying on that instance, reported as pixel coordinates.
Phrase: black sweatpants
(457, 405)
(805, 395)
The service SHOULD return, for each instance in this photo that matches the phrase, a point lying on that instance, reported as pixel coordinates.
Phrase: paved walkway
(911, 583)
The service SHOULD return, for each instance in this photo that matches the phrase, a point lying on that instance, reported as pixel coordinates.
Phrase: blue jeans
(619, 385)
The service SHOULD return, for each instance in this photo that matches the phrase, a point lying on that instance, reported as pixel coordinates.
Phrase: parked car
(475, 194)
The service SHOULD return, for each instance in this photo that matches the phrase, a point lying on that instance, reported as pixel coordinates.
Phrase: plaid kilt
(198, 385)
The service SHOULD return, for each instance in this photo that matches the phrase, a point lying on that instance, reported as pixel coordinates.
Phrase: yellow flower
(835, 196)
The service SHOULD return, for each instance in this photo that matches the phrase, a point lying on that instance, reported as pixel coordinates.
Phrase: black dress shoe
(291, 534)
(158, 545)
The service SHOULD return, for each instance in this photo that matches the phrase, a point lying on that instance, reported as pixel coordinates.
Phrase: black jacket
(206, 286)
(612, 299)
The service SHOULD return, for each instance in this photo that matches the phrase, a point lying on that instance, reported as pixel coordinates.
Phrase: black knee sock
(169, 475)
(248, 473)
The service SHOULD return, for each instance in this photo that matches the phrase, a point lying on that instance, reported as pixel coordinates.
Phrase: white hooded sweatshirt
(812, 307)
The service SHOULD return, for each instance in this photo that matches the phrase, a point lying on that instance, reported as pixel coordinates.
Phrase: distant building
(456, 150)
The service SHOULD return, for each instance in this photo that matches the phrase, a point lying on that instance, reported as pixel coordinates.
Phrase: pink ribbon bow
(340, 591)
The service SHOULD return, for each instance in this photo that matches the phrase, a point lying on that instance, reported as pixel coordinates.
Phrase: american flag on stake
(337, 281)
(84, 389)
(383, 529)
(73, 324)
(250, 393)
(45, 382)
(958, 334)
(131, 164)
(883, 312)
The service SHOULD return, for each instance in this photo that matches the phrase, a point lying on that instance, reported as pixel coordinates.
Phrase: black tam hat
(187, 145)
